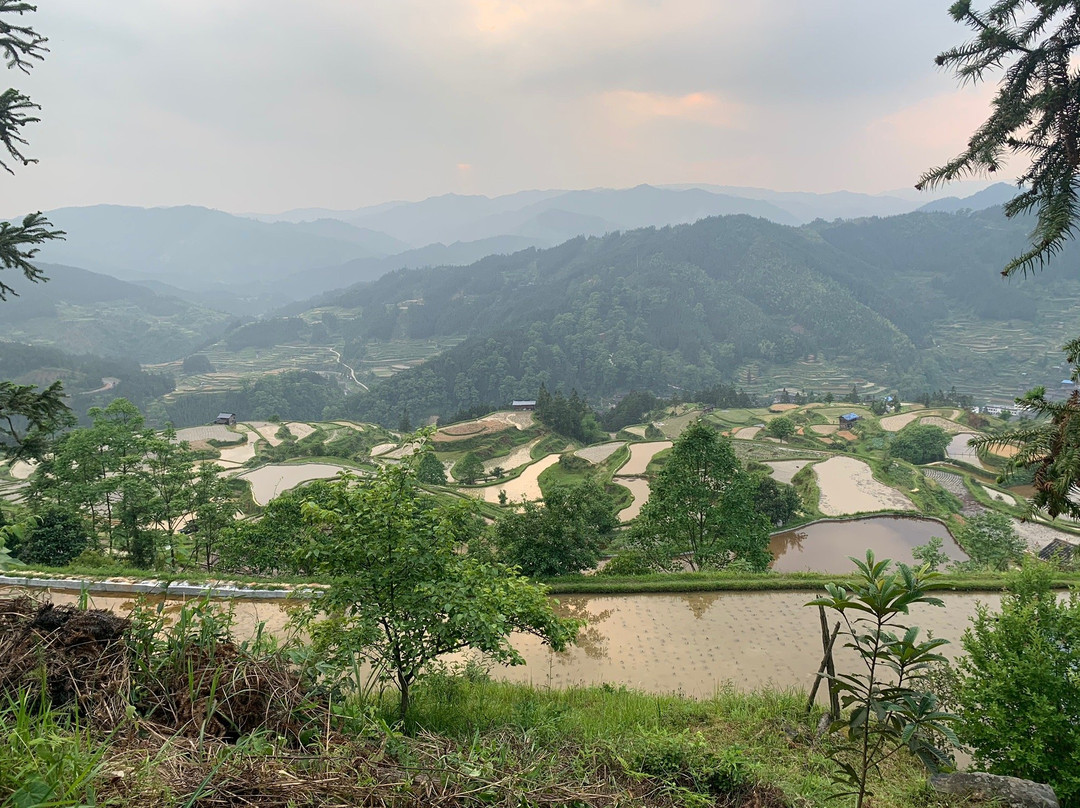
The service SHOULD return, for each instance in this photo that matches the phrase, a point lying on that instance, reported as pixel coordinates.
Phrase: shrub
(1018, 689)
(55, 540)
(920, 443)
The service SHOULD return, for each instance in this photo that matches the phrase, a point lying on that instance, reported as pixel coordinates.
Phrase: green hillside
(86, 312)
(908, 302)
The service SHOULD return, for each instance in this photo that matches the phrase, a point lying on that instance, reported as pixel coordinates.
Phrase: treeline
(296, 395)
(81, 374)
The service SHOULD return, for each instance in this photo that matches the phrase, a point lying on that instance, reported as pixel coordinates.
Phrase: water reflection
(699, 602)
(828, 546)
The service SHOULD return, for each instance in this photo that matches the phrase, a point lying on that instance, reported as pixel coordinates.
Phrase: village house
(226, 418)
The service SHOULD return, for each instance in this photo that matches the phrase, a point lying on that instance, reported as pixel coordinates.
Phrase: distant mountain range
(252, 264)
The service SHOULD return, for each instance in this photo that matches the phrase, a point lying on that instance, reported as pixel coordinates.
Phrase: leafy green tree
(920, 443)
(931, 554)
(1034, 113)
(402, 593)
(213, 508)
(890, 709)
(701, 507)
(468, 469)
(29, 419)
(55, 539)
(563, 535)
(1018, 688)
(430, 470)
(777, 501)
(782, 428)
(268, 545)
(991, 541)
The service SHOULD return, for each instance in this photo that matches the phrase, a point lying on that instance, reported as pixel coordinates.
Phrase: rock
(1007, 791)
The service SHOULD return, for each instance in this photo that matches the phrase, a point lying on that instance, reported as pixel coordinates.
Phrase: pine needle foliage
(1035, 113)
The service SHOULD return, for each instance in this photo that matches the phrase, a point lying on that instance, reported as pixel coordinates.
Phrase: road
(352, 372)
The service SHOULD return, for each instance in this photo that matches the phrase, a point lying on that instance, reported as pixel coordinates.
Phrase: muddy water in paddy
(639, 487)
(640, 455)
(828, 546)
(691, 643)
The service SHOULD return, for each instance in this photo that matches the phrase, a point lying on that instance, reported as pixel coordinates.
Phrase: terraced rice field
(471, 429)
(954, 484)
(639, 488)
(848, 486)
(824, 429)
(635, 430)
(747, 432)
(526, 485)
(21, 469)
(218, 432)
(958, 449)
(382, 448)
(600, 452)
(640, 455)
(384, 359)
(951, 427)
(1038, 535)
(269, 481)
(519, 457)
(266, 430)
(300, 430)
(784, 470)
(239, 454)
(1000, 496)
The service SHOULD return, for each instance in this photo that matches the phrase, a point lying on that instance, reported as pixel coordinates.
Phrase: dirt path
(640, 455)
(848, 486)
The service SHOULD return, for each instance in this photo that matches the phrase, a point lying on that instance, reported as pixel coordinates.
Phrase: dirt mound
(65, 656)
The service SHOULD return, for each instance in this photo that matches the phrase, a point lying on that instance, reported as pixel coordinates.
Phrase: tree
(28, 418)
(702, 507)
(1018, 689)
(1035, 113)
(197, 363)
(777, 501)
(920, 443)
(213, 508)
(782, 428)
(430, 470)
(991, 541)
(468, 469)
(55, 539)
(563, 535)
(890, 709)
(403, 593)
(21, 47)
(931, 554)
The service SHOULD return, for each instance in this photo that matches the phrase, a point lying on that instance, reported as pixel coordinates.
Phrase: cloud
(699, 107)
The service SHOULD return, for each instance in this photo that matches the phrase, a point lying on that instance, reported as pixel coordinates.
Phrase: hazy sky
(263, 105)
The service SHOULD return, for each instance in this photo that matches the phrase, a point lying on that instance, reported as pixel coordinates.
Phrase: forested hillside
(88, 312)
(682, 307)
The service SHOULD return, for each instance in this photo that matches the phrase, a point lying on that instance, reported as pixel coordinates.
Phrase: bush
(688, 762)
(55, 540)
(991, 541)
(920, 443)
(626, 563)
(1018, 689)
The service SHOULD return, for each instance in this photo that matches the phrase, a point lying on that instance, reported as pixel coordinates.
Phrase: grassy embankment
(183, 717)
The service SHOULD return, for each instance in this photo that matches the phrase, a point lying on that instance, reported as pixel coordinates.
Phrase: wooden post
(827, 645)
(826, 665)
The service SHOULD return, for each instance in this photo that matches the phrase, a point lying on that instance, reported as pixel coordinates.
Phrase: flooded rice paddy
(848, 486)
(599, 453)
(519, 457)
(639, 487)
(692, 643)
(958, 449)
(526, 485)
(640, 455)
(269, 481)
(828, 546)
(784, 470)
